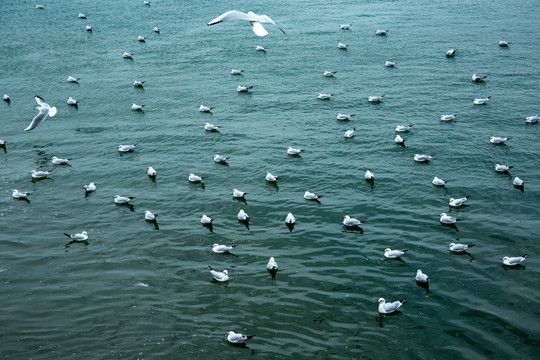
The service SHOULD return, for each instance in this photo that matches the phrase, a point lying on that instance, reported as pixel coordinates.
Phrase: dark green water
(88, 301)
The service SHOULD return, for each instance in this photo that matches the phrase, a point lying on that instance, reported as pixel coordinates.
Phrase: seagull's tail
(209, 268)
(470, 245)
(467, 197)
(406, 250)
(250, 336)
(286, 33)
(524, 256)
(69, 236)
(402, 300)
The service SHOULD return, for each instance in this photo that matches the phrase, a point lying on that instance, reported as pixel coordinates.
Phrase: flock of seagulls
(256, 21)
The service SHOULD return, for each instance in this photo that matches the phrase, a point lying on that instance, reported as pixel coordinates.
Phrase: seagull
(219, 276)
(235, 338)
(3, 144)
(403, 128)
(138, 83)
(141, 38)
(40, 6)
(72, 79)
(421, 277)
(369, 176)
(210, 127)
(6, 98)
(242, 216)
(241, 88)
(342, 46)
(194, 178)
(127, 55)
(206, 220)
(422, 158)
(238, 194)
(344, 116)
(78, 237)
(272, 264)
(451, 53)
(311, 196)
(504, 43)
(58, 161)
(222, 249)
(345, 26)
(513, 261)
(123, 199)
(254, 20)
(381, 32)
(271, 178)
(349, 133)
(44, 110)
(137, 107)
(399, 140)
(156, 29)
(325, 96)
(329, 73)
(458, 202)
(387, 308)
(529, 119)
(126, 148)
(146, 3)
(90, 187)
(292, 151)
(438, 182)
(498, 140)
(394, 254)
(151, 172)
(36, 174)
(478, 78)
(352, 222)
(518, 182)
(260, 48)
(457, 248)
(148, 216)
(390, 63)
(448, 117)
(220, 158)
(236, 72)
(72, 101)
(481, 101)
(290, 219)
(203, 108)
(82, 16)
(88, 28)
(447, 219)
(16, 194)
(502, 168)
(375, 98)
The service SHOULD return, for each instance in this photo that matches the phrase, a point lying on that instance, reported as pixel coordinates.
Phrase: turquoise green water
(87, 301)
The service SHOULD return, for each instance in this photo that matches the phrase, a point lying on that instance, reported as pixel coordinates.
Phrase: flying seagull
(44, 110)
(254, 19)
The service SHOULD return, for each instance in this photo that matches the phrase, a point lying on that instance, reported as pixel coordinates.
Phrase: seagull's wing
(43, 112)
(266, 19)
(259, 29)
(231, 15)
(40, 101)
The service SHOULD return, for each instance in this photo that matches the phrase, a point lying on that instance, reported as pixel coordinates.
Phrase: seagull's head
(442, 214)
(84, 233)
(451, 199)
(387, 249)
(504, 258)
(381, 301)
(213, 246)
(225, 272)
(451, 244)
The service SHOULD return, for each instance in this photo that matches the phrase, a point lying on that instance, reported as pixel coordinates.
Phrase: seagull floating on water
(260, 48)
(369, 176)
(123, 199)
(422, 158)
(388, 308)
(254, 20)
(71, 101)
(88, 28)
(448, 117)
(272, 265)
(235, 338)
(342, 46)
(513, 261)
(349, 133)
(148, 216)
(218, 275)
(421, 277)
(72, 79)
(141, 38)
(483, 101)
(394, 254)
(151, 172)
(36, 174)
(292, 151)
(498, 140)
(236, 72)
(242, 216)
(58, 161)
(352, 222)
(146, 3)
(16, 194)
(517, 182)
(40, 6)
(390, 63)
(399, 140)
(206, 220)
(438, 182)
(238, 194)
(90, 187)
(375, 98)
(458, 248)
(478, 78)
(44, 111)
(194, 178)
(447, 219)
(329, 73)
(458, 202)
(311, 196)
(6, 98)
(381, 32)
(126, 148)
(504, 43)
(325, 96)
(289, 219)
(78, 237)
(451, 52)
(271, 178)
(82, 16)
(222, 249)
(203, 108)
(241, 88)
(211, 127)
(345, 26)
(344, 116)
(220, 158)
(403, 128)
(137, 107)
(127, 55)
(529, 119)
(138, 83)
(502, 168)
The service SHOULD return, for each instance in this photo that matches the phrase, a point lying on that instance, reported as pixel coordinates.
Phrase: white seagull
(325, 96)
(502, 168)
(349, 133)
(71, 101)
(342, 46)
(194, 178)
(293, 151)
(381, 32)
(238, 194)
(203, 108)
(126, 148)
(36, 174)
(344, 116)
(148, 216)
(529, 119)
(375, 98)
(40, 6)
(242, 216)
(220, 158)
(311, 196)
(394, 254)
(222, 249)
(290, 219)
(271, 178)
(141, 38)
(438, 182)
(58, 161)
(241, 88)
(399, 140)
(329, 73)
(448, 117)
(145, 2)
(218, 275)
(123, 199)
(513, 261)
(78, 237)
(137, 107)
(90, 187)
(351, 222)
(211, 127)
(390, 63)
(478, 78)
(387, 308)
(82, 16)
(138, 83)
(260, 48)
(272, 264)
(127, 55)
(72, 79)
(422, 158)
(253, 19)
(458, 202)
(151, 172)
(504, 43)
(369, 176)
(483, 101)
(206, 220)
(421, 277)
(518, 182)
(16, 194)
(88, 28)
(156, 29)
(44, 110)
(447, 219)
(451, 52)
(458, 248)
(236, 72)
(345, 26)
(498, 140)
(403, 128)
(6, 98)
(235, 338)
